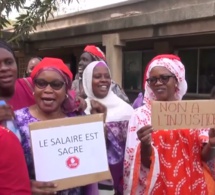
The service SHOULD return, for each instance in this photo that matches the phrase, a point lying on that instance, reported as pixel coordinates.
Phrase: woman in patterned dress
(52, 81)
(166, 162)
(96, 83)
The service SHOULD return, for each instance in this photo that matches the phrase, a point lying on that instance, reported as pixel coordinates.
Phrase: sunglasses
(42, 84)
(164, 79)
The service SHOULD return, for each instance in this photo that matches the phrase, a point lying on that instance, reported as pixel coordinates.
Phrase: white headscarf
(117, 109)
(174, 65)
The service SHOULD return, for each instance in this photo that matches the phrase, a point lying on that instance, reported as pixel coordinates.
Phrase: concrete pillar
(162, 47)
(114, 55)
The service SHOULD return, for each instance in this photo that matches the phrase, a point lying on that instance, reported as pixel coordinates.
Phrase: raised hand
(144, 135)
(97, 108)
(6, 113)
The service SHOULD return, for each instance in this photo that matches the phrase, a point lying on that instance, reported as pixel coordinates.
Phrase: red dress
(14, 177)
(23, 95)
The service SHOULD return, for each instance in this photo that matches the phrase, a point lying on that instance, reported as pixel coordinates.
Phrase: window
(134, 66)
(200, 69)
(132, 70)
(206, 70)
(190, 60)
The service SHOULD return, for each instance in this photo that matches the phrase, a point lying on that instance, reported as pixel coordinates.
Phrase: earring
(33, 93)
(67, 96)
(176, 87)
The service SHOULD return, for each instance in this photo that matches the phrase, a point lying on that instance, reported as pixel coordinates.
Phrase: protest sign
(190, 114)
(70, 152)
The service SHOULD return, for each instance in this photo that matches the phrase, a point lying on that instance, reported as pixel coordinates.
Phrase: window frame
(197, 94)
(142, 69)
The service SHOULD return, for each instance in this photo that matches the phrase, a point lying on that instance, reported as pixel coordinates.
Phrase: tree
(37, 12)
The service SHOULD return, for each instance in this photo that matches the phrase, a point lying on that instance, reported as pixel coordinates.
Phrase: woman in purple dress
(52, 80)
(96, 83)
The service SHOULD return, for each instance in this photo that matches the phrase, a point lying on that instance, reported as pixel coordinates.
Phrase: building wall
(144, 28)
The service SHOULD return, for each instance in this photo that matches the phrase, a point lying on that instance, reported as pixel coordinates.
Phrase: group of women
(142, 161)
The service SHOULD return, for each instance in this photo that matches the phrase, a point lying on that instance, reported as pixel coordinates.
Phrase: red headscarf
(52, 63)
(95, 51)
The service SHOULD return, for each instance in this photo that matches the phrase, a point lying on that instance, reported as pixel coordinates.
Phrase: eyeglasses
(164, 79)
(42, 84)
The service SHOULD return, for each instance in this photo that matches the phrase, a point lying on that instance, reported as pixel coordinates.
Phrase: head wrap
(96, 52)
(52, 63)
(175, 66)
(5, 45)
(117, 109)
(58, 65)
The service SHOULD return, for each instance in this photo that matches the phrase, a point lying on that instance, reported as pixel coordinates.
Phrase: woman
(152, 168)
(20, 95)
(97, 83)
(52, 81)
(16, 92)
(13, 171)
(92, 53)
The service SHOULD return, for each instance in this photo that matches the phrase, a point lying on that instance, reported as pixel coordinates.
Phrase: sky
(75, 6)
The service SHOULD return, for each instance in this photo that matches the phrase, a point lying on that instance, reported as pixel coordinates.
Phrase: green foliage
(36, 13)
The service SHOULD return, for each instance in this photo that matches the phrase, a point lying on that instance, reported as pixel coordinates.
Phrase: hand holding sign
(98, 108)
(6, 113)
(43, 188)
(144, 135)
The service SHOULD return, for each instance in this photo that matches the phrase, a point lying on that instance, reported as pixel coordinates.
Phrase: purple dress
(138, 101)
(116, 138)
(22, 119)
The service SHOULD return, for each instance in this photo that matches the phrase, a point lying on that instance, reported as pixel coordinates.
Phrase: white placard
(69, 151)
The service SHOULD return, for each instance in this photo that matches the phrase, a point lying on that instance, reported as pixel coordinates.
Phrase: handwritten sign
(183, 114)
(71, 151)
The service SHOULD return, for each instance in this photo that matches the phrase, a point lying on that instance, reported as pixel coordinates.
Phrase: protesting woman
(13, 170)
(52, 80)
(97, 86)
(166, 161)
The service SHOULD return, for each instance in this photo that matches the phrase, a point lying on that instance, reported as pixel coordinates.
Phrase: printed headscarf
(96, 52)
(117, 109)
(175, 66)
(58, 66)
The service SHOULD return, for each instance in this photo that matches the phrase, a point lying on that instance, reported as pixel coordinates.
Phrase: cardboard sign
(190, 114)
(70, 152)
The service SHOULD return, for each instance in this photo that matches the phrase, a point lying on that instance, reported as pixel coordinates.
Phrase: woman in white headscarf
(97, 86)
(166, 161)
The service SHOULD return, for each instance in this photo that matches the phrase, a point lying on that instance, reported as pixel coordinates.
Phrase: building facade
(131, 34)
